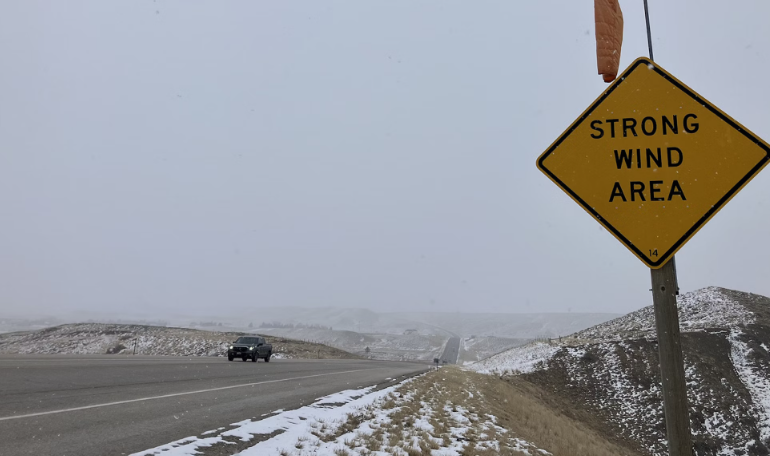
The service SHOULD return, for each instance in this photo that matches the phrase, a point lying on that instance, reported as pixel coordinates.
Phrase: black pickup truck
(250, 347)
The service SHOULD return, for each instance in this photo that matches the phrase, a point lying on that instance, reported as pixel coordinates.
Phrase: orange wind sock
(609, 37)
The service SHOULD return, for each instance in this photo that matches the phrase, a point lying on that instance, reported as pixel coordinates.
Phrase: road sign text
(648, 126)
(653, 161)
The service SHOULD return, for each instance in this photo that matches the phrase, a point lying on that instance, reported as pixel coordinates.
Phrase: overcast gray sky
(166, 156)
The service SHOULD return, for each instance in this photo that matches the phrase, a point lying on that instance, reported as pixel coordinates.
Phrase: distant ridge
(98, 338)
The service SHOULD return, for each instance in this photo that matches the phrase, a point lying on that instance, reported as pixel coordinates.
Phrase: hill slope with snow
(396, 347)
(611, 372)
(98, 338)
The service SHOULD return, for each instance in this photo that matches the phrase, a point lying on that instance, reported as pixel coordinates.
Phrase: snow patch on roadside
(182, 447)
(365, 422)
(297, 426)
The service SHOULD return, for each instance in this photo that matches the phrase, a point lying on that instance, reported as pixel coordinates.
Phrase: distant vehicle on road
(250, 348)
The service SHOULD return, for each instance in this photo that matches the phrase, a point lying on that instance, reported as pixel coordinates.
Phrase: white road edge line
(128, 401)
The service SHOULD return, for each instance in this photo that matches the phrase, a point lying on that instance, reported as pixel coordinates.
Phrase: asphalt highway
(114, 405)
(451, 350)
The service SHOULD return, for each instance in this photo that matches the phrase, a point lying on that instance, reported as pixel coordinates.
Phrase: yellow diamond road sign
(653, 161)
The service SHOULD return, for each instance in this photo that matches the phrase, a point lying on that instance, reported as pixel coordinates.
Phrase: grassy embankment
(467, 412)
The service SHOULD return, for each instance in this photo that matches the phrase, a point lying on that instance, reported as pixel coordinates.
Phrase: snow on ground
(398, 347)
(97, 338)
(757, 384)
(698, 310)
(517, 360)
(117, 339)
(635, 407)
(614, 356)
(364, 422)
(718, 421)
(296, 426)
(476, 348)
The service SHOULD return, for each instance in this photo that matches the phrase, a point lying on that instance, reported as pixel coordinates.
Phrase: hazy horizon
(165, 157)
(125, 315)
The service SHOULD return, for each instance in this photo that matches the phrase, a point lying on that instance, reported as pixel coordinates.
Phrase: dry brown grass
(470, 413)
(424, 417)
(519, 411)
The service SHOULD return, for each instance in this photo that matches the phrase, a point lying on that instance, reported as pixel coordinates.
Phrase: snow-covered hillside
(518, 360)
(710, 307)
(476, 348)
(363, 321)
(97, 338)
(401, 347)
(611, 371)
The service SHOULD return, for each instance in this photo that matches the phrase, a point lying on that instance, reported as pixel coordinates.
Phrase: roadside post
(673, 382)
(652, 161)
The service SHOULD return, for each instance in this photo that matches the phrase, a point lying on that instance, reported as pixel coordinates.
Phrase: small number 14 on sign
(654, 253)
